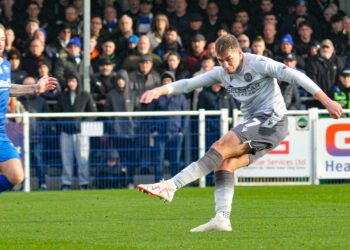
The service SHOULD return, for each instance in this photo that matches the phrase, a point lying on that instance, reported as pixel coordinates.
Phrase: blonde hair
(2, 27)
(226, 42)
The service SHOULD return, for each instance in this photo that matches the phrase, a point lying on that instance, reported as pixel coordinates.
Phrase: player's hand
(334, 109)
(46, 83)
(149, 96)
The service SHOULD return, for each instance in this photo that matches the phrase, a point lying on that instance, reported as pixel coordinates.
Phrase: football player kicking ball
(251, 79)
(11, 170)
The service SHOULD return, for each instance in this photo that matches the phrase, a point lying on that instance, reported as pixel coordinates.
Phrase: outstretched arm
(183, 86)
(282, 72)
(44, 84)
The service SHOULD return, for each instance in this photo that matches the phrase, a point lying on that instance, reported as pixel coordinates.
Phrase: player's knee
(16, 177)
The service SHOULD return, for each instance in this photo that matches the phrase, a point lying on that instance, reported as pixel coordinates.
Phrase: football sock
(5, 184)
(224, 189)
(198, 169)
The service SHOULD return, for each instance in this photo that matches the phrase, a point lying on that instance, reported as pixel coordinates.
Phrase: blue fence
(127, 153)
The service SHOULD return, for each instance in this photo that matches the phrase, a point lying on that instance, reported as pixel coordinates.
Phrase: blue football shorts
(7, 150)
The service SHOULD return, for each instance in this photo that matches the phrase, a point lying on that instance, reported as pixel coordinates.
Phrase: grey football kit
(255, 86)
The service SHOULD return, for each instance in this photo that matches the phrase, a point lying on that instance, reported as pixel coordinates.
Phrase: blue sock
(4, 183)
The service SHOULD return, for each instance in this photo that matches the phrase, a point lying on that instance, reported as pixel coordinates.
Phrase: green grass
(300, 217)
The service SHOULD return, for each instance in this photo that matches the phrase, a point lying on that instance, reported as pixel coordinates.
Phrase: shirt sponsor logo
(245, 91)
(5, 84)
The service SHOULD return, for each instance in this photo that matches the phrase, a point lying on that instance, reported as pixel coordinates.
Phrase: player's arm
(284, 73)
(182, 86)
(44, 84)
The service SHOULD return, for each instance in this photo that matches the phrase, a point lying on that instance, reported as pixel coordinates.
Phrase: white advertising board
(333, 152)
(292, 158)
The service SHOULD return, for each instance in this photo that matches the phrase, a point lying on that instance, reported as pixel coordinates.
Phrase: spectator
(244, 42)
(193, 58)
(104, 81)
(169, 43)
(324, 69)
(196, 26)
(160, 25)
(287, 47)
(258, 47)
(110, 23)
(341, 91)
(242, 16)
(304, 41)
(44, 70)
(72, 19)
(291, 22)
(337, 36)
(270, 38)
(180, 18)
(17, 74)
(31, 26)
(38, 130)
(109, 50)
(144, 78)
(326, 21)
(125, 31)
(212, 51)
(74, 144)
(175, 65)
(94, 53)
(290, 91)
(314, 48)
(143, 48)
(223, 30)
(229, 8)
(96, 28)
(212, 22)
(145, 17)
(170, 7)
(237, 28)
(72, 63)
(168, 134)
(133, 11)
(10, 41)
(36, 56)
(121, 131)
(59, 45)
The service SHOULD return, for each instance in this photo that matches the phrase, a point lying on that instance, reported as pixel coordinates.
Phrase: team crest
(7, 69)
(248, 77)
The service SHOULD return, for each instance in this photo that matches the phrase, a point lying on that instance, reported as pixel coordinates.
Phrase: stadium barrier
(316, 148)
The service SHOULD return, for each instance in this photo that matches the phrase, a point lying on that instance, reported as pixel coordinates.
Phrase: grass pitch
(299, 217)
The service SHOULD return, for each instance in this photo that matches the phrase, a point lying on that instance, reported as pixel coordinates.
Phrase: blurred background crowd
(136, 45)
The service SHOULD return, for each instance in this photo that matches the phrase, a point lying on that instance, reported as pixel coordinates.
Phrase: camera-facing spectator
(110, 23)
(125, 31)
(34, 58)
(143, 48)
(180, 18)
(59, 45)
(287, 47)
(193, 58)
(145, 17)
(72, 19)
(74, 145)
(258, 47)
(212, 22)
(324, 68)
(169, 43)
(270, 38)
(104, 81)
(160, 25)
(17, 74)
(10, 41)
(341, 91)
(25, 39)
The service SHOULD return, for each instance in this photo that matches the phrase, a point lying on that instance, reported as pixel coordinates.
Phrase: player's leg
(224, 191)
(11, 170)
(11, 173)
(228, 146)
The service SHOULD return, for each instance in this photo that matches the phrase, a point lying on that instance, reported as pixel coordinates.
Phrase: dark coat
(83, 103)
(121, 100)
(324, 72)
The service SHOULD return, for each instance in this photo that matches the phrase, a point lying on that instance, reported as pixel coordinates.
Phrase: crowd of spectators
(135, 43)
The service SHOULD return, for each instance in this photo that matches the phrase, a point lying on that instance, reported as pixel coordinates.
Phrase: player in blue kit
(11, 170)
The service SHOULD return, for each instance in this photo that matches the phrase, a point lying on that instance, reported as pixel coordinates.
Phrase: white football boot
(163, 189)
(218, 223)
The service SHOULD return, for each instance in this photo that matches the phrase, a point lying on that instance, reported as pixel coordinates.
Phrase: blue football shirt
(5, 85)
